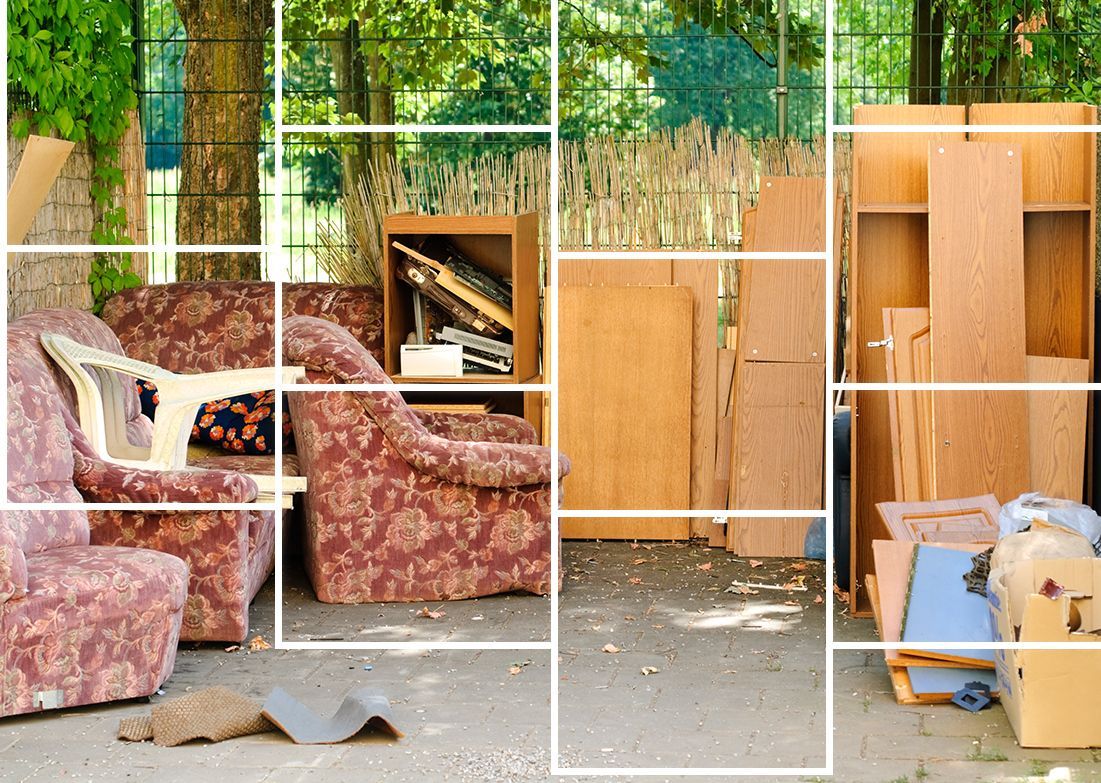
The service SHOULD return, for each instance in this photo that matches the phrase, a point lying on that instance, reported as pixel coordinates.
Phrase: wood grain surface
(1057, 427)
(911, 412)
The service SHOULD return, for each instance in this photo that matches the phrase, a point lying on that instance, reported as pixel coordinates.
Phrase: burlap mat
(215, 714)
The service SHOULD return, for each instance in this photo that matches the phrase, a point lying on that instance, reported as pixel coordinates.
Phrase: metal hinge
(888, 342)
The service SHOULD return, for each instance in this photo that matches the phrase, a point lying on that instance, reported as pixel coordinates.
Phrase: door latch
(888, 342)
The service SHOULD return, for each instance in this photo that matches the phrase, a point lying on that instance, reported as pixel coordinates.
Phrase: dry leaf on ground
(431, 615)
(518, 666)
(755, 564)
(609, 648)
(704, 566)
(646, 670)
(819, 599)
(257, 643)
(635, 580)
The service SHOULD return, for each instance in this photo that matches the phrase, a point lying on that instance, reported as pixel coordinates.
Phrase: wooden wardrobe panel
(972, 520)
(1057, 427)
(625, 528)
(1058, 167)
(702, 279)
(778, 436)
(782, 311)
(604, 272)
(976, 262)
(768, 537)
(791, 215)
(890, 168)
(1059, 284)
(981, 443)
(911, 412)
(624, 399)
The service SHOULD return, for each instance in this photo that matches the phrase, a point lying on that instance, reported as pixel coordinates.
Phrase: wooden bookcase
(889, 263)
(505, 245)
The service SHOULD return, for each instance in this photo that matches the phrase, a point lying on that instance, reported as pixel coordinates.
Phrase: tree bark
(381, 104)
(926, 53)
(349, 69)
(218, 200)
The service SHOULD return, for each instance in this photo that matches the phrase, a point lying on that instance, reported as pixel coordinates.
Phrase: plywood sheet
(1059, 283)
(625, 374)
(976, 262)
(702, 279)
(778, 436)
(911, 411)
(791, 215)
(981, 444)
(1057, 427)
(1058, 167)
(782, 311)
(768, 537)
(891, 167)
(601, 272)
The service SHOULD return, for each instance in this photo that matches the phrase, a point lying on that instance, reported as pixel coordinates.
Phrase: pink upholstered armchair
(230, 553)
(405, 506)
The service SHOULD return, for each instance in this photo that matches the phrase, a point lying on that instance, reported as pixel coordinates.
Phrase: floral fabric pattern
(397, 512)
(488, 428)
(96, 623)
(244, 424)
(13, 565)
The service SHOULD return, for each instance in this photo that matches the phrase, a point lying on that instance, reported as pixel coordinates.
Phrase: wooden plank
(1057, 427)
(1057, 167)
(749, 224)
(600, 272)
(891, 167)
(716, 534)
(781, 311)
(773, 537)
(976, 262)
(724, 379)
(957, 521)
(791, 215)
(911, 412)
(625, 374)
(778, 436)
(702, 279)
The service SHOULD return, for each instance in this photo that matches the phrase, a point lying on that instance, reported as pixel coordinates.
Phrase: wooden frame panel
(1059, 284)
(911, 412)
(1057, 428)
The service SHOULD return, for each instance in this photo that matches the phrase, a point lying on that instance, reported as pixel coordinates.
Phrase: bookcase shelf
(504, 245)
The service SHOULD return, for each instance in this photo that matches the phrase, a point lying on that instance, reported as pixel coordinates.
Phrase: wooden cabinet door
(911, 412)
(962, 521)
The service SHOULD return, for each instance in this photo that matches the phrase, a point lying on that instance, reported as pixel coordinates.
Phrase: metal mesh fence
(631, 67)
(937, 52)
(462, 62)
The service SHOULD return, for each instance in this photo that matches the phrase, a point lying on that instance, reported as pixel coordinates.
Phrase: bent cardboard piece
(42, 160)
(361, 707)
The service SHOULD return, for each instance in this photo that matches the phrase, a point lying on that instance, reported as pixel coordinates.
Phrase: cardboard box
(1050, 696)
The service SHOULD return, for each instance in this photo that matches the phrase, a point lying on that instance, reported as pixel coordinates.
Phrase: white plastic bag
(1017, 515)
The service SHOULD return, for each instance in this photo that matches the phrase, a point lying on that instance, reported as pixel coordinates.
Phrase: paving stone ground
(740, 682)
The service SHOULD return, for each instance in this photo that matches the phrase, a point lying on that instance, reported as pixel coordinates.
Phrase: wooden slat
(1057, 427)
(702, 279)
(976, 262)
(1056, 165)
(778, 436)
(625, 373)
(911, 412)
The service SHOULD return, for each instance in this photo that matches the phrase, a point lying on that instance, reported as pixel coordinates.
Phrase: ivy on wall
(70, 69)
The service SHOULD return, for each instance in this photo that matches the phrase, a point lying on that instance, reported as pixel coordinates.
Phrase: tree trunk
(383, 148)
(926, 53)
(219, 189)
(351, 98)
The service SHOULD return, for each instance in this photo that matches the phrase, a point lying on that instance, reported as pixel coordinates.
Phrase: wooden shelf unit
(506, 245)
(889, 263)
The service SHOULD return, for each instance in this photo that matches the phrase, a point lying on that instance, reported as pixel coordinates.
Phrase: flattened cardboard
(1050, 696)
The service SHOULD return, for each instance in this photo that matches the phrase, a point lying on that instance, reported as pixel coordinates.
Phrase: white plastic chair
(99, 392)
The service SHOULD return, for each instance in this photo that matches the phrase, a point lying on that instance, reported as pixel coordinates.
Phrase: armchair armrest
(482, 464)
(13, 563)
(483, 427)
(100, 481)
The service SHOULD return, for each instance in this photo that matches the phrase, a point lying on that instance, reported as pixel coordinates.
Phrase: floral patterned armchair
(79, 624)
(230, 553)
(409, 506)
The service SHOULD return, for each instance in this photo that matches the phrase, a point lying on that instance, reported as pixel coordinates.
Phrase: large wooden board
(1057, 427)
(625, 370)
(911, 412)
(702, 279)
(981, 444)
(771, 537)
(778, 436)
(976, 262)
(890, 168)
(791, 215)
(1047, 176)
(601, 272)
(782, 311)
